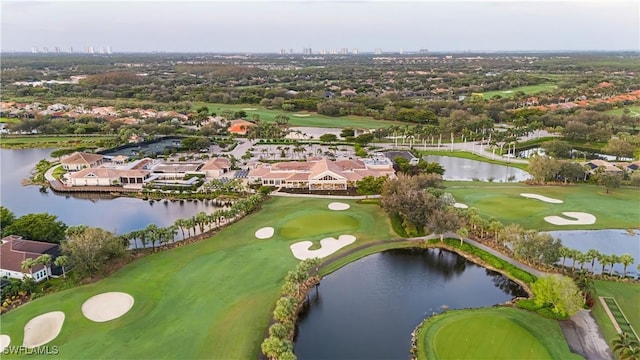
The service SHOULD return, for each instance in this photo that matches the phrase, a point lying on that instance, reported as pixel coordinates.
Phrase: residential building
(216, 167)
(79, 160)
(15, 250)
(321, 173)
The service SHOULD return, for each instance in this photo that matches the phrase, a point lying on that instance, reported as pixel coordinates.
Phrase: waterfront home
(80, 160)
(320, 173)
(15, 250)
(216, 167)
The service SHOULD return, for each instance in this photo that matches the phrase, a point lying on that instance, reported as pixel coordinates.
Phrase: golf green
(492, 333)
(314, 226)
(616, 210)
(211, 299)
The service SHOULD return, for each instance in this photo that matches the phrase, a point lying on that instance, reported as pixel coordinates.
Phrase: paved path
(584, 337)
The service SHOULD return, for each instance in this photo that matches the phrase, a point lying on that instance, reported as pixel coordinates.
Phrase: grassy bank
(628, 297)
(491, 333)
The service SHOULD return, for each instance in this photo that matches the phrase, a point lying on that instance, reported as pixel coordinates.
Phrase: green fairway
(50, 141)
(211, 299)
(318, 225)
(492, 333)
(627, 296)
(9, 120)
(303, 118)
(617, 210)
(634, 111)
(528, 90)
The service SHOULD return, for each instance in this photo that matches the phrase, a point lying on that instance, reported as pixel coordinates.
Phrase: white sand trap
(542, 198)
(265, 233)
(249, 109)
(42, 329)
(328, 246)
(301, 115)
(5, 340)
(580, 219)
(338, 206)
(107, 306)
(460, 206)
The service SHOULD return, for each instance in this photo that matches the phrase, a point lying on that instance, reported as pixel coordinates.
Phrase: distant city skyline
(332, 27)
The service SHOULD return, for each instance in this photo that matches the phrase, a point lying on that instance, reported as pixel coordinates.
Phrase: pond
(468, 170)
(120, 215)
(368, 309)
(608, 242)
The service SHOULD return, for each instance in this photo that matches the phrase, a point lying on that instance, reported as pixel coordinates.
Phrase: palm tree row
(198, 224)
(591, 256)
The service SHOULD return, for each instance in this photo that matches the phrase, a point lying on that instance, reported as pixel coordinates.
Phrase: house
(14, 250)
(215, 167)
(320, 173)
(607, 167)
(240, 127)
(79, 160)
(108, 177)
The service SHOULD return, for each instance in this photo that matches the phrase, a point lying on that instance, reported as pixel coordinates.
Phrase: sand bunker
(542, 198)
(328, 246)
(5, 340)
(460, 206)
(301, 115)
(265, 233)
(338, 206)
(42, 329)
(107, 306)
(580, 219)
(249, 109)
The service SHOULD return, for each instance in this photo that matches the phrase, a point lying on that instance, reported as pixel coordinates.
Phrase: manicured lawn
(492, 333)
(8, 120)
(627, 296)
(531, 89)
(210, 299)
(634, 110)
(50, 141)
(472, 156)
(312, 120)
(617, 210)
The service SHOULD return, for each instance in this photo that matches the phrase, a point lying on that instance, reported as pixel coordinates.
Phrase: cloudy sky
(267, 26)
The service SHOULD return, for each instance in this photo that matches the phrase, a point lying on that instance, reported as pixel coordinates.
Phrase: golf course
(616, 210)
(491, 333)
(210, 299)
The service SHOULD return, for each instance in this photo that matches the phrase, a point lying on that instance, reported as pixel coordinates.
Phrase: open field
(617, 210)
(634, 111)
(211, 299)
(528, 90)
(50, 141)
(627, 296)
(492, 333)
(312, 120)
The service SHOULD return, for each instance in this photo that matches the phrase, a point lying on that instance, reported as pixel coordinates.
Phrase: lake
(608, 242)
(368, 308)
(120, 215)
(468, 170)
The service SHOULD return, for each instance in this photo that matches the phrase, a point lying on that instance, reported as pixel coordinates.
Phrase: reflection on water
(120, 214)
(466, 169)
(367, 309)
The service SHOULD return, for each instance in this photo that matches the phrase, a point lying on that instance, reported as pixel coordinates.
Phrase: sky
(268, 26)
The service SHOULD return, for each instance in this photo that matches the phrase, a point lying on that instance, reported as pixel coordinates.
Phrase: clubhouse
(321, 173)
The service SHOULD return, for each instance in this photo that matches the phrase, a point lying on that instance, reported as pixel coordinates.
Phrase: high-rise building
(57, 49)
(354, 51)
(401, 51)
(70, 50)
(307, 51)
(344, 51)
(90, 50)
(108, 49)
(378, 51)
(283, 52)
(45, 50)
(34, 49)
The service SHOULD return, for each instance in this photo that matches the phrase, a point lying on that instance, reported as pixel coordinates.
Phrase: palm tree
(564, 253)
(603, 259)
(626, 347)
(613, 259)
(586, 286)
(45, 260)
(582, 258)
(495, 225)
(462, 232)
(592, 254)
(181, 224)
(151, 235)
(626, 260)
(62, 261)
(575, 255)
(28, 264)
